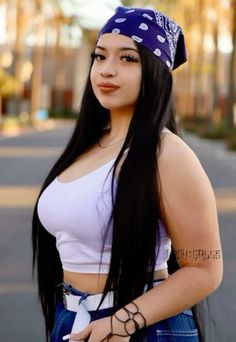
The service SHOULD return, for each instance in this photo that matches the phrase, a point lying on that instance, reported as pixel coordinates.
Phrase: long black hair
(136, 207)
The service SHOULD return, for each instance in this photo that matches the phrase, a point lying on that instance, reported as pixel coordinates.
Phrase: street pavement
(24, 163)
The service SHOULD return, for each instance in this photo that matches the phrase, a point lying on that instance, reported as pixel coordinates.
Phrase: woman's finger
(79, 336)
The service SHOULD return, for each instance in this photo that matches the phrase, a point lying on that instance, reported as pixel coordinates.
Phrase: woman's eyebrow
(120, 49)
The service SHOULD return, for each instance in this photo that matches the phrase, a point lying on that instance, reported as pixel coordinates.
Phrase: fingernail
(66, 337)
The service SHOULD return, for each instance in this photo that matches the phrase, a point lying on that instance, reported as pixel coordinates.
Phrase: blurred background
(45, 48)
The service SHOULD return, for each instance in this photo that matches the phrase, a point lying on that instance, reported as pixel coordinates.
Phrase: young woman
(125, 189)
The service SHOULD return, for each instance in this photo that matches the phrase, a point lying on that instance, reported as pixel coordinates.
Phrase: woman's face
(116, 72)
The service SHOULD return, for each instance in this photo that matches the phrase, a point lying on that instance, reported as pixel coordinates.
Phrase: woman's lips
(107, 87)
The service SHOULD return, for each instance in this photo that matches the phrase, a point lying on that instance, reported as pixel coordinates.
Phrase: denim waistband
(70, 289)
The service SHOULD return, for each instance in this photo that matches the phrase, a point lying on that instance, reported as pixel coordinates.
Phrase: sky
(91, 14)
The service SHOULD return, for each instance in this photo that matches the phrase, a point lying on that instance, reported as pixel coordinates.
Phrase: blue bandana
(154, 30)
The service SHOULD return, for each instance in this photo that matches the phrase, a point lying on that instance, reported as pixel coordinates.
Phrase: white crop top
(77, 213)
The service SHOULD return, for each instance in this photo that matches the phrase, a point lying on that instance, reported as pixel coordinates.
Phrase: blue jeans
(179, 328)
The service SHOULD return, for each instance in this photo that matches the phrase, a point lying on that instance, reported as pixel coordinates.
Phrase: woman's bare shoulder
(180, 169)
(175, 152)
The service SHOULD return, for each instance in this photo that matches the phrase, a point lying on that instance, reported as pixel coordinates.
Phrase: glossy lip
(106, 86)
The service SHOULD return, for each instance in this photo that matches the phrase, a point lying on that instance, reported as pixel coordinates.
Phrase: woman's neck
(120, 121)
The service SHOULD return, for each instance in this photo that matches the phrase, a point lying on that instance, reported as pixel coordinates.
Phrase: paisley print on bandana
(152, 29)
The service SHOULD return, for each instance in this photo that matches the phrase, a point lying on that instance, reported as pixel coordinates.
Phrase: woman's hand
(98, 331)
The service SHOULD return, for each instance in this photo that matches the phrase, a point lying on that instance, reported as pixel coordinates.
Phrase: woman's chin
(117, 107)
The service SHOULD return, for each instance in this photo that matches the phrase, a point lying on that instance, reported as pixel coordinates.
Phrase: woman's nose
(108, 69)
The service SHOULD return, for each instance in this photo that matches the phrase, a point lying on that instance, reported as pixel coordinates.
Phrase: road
(24, 163)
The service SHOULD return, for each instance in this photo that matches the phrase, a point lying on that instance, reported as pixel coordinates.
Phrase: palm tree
(19, 47)
(232, 72)
(60, 20)
(42, 23)
(199, 61)
(37, 63)
(215, 76)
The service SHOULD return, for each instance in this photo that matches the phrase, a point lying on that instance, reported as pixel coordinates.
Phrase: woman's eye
(129, 58)
(97, 56)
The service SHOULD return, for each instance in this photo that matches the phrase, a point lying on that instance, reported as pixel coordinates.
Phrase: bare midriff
(94, 283)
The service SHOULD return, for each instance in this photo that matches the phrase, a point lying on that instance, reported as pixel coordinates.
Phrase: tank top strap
(165, 129)
(126, 151)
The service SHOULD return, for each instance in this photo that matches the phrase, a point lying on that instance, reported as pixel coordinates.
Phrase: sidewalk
(14, 128)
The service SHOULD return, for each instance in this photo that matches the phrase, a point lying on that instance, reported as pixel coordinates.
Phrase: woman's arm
(191, 218)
